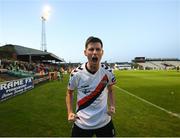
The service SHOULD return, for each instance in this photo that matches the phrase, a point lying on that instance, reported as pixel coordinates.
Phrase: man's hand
(72, 117)
(111, 110)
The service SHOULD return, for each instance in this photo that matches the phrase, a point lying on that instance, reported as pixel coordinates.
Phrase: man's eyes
(92, 49)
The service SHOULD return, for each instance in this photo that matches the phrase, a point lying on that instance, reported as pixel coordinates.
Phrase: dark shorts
(106, 131)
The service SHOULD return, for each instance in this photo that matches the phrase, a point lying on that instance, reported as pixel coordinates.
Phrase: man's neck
(92, 68)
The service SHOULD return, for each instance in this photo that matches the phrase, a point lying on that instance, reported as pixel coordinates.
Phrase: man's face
(94, 53)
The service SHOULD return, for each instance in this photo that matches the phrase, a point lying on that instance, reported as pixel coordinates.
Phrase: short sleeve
(72, 84)
(111, 77)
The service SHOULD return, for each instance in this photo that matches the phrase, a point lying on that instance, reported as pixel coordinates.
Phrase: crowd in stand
(54, 71)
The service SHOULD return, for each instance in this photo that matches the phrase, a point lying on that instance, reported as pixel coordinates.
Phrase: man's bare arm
(111, 100)
(69, 105)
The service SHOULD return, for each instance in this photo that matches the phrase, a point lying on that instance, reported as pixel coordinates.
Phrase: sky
(128, 28)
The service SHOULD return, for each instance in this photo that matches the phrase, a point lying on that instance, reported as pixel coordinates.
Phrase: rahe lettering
(11, 84)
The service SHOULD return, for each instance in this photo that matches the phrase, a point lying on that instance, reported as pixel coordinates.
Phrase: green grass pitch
(42, 111)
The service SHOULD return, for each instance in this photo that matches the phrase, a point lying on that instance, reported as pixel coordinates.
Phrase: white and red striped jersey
(92, 94)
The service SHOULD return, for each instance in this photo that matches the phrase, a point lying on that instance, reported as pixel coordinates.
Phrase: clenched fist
(111, 110)
(72, 117)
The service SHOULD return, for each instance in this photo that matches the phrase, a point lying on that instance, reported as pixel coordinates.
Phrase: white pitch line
(141, 99)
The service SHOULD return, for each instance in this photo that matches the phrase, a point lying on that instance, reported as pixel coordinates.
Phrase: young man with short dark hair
(95, 98)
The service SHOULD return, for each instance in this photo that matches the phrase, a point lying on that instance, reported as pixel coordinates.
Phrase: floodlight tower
(44, 18)
(43, 36)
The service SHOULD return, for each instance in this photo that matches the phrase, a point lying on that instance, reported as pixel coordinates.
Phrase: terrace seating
(20, 74)
(148, 65)
(3, 70)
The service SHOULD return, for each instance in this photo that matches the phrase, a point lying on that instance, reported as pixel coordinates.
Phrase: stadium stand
(156, 63)
(123, 66)
(16, 52)
(147, 65)
(18, 61)
(21, 68)
(173, 63)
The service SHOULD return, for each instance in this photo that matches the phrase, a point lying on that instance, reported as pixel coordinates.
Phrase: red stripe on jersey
(98, 89)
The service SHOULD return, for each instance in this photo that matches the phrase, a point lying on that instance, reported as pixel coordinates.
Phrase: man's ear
(102, 52)
(85, 52)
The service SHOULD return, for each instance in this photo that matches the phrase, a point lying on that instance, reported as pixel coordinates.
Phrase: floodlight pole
(43, 36)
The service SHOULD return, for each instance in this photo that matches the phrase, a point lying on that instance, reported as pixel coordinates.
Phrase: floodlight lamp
(46, 12)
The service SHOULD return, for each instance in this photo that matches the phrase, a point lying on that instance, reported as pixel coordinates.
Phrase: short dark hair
(93, 39)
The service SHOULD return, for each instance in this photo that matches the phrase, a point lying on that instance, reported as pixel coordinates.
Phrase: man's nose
(94, 51)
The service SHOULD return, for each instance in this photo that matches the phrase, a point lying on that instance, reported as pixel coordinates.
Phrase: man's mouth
(94, 59)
